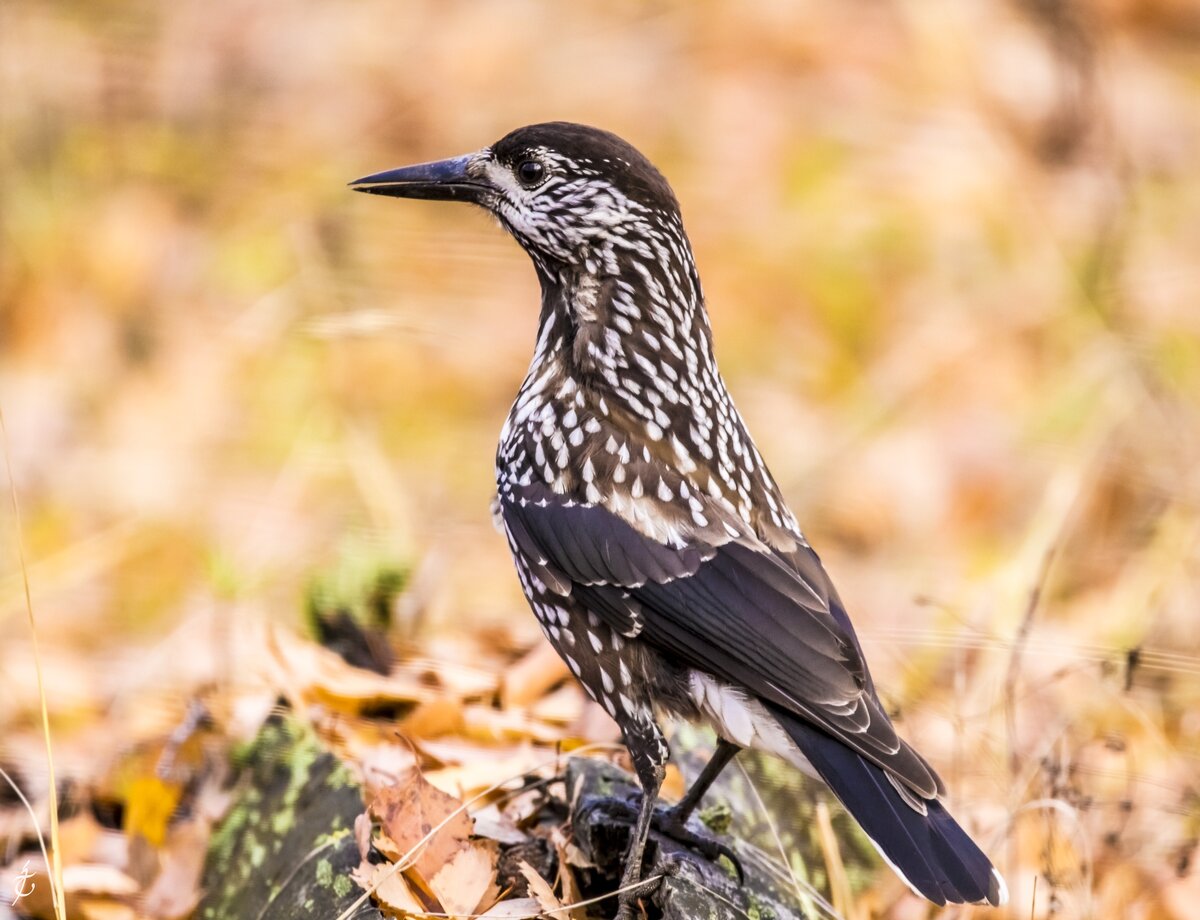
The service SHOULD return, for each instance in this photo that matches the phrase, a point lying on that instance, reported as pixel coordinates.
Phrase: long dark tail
(929, 851)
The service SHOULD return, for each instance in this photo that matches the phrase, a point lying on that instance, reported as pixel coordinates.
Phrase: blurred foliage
(950, 256)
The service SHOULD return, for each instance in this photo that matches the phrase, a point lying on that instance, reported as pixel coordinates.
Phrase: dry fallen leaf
(514, 909)
(566, 878)
(487, 724)
(463, 884)
(149, 803)
(314, 672)
(176, 890)
(487, 768)
(532, 676)
(491, 822)
(407, 812)
(540, 889)
(393, 890)
(563, 706)
(362, 834)
(436, 717)
(92, 909)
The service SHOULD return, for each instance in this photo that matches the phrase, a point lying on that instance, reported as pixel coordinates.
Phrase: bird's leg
(682, 810)
(651, 776)
(672, 822)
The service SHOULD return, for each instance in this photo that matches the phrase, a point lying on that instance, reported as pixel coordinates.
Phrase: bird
(650, 539)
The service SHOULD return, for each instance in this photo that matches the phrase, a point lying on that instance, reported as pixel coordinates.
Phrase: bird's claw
(667, 822)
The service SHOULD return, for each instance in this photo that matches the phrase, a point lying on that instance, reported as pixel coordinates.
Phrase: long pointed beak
(443, 180)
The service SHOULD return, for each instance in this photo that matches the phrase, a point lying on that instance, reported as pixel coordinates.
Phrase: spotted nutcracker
(652, 542)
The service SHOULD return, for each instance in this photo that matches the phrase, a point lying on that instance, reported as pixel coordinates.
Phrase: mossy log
(285, 849)
(693, 888)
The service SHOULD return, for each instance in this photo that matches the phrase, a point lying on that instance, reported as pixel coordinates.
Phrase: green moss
(718, 818)
(757, 910)
(324, 873)
(296, 800)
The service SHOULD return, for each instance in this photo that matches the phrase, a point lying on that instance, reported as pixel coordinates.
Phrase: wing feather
(730, 606)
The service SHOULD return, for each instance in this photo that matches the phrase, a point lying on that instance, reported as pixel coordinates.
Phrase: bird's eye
(530, 173)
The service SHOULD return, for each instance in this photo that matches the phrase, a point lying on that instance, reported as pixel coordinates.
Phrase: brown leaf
(566, 877)
(392, 892)
(540, 889)
(463, 883)
(176, 889)
(484, 723)
(429, 720)
(407, 812)
(311, 672)
(531, 677)
(563, 706)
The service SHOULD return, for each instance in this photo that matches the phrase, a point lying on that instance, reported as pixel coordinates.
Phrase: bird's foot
(629, 908)
(629, 899)
(669, 823)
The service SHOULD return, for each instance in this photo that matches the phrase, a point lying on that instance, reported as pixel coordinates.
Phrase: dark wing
(732, 607)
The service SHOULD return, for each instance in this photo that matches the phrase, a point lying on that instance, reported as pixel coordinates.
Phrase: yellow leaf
(149, 804)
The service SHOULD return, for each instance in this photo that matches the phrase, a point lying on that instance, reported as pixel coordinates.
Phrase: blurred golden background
(952, 258)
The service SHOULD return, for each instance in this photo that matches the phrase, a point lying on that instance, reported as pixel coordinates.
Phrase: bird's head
(574, 197)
